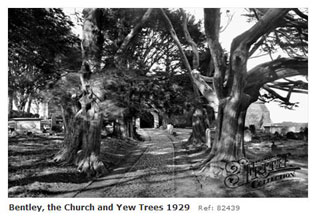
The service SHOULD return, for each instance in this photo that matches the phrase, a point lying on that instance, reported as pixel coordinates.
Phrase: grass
(32, 173)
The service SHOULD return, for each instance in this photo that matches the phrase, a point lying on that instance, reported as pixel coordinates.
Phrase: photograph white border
(250, 207)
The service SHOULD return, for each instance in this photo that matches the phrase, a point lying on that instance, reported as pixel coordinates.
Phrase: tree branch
(206, 90)
(276, 69)
(256, 46)
(183, 56)
(286, 99)
(301, 14)
(269, 21)
(212, 29)
(133, 32)
(292, 88)
(189, 39)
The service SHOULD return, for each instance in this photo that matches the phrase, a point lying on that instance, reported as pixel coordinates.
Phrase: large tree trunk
(131, 127)
(88, 160)
(73, 136)
(232, 88)
(82, 140)
(225, 144)
(230, 83)
(121, 127)
(230, 131)
(229, 137)
(83, 123)
(83, 127)
(124, 127)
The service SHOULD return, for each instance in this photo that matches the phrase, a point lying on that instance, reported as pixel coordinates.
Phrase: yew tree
(228, 88)
(232, 87)
(105, 40)
(119, 47)
(235, 86)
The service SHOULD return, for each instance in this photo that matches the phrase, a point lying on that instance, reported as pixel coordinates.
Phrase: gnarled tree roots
(91, 164)
(88, 163)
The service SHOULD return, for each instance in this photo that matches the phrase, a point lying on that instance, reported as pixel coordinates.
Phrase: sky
(236, 26)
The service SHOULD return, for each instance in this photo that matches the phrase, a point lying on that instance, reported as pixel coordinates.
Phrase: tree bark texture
(83, 113)
(83, 118)
(232, 86)
(199, 124)
(82, 142)
(124, 127)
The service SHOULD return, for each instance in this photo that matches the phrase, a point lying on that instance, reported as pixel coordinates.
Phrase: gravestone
(28, 125)
(170, 129)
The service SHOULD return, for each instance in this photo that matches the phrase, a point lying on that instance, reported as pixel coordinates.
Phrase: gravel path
(150, 171)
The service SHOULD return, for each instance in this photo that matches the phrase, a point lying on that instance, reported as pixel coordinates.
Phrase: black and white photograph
(158, 102)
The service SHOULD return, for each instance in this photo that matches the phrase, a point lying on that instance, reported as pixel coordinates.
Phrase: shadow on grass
(51, 178)
(30, 163)
(42, 164)
(32, 152)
